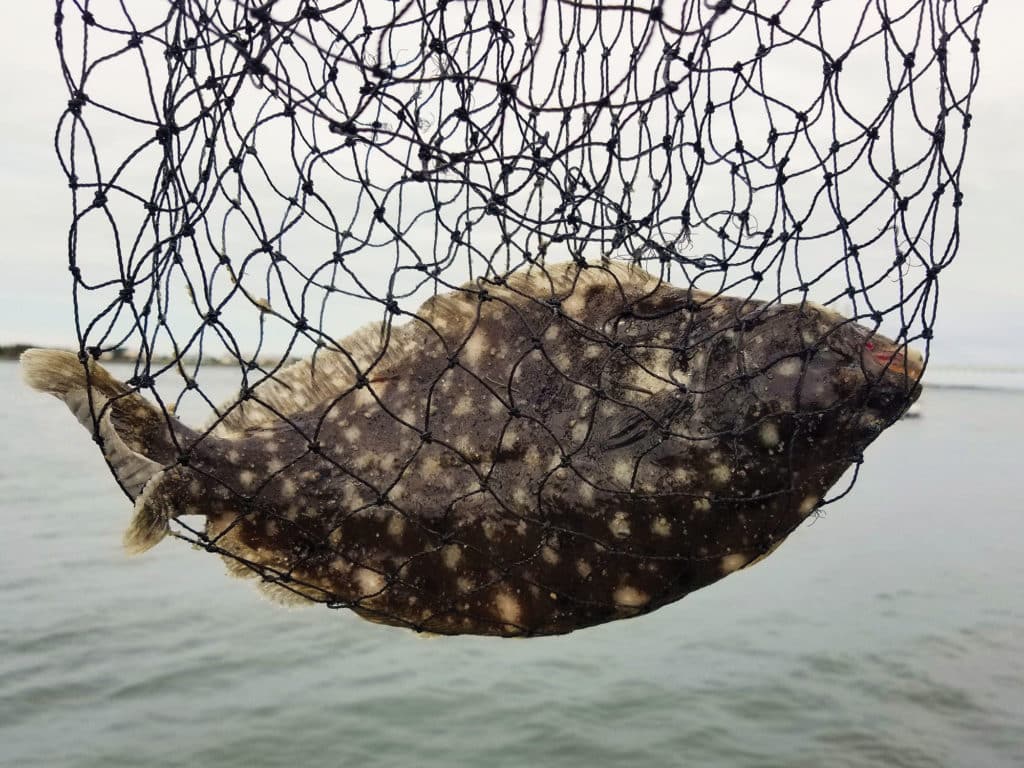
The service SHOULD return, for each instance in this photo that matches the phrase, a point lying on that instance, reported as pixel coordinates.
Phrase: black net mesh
(586, 238)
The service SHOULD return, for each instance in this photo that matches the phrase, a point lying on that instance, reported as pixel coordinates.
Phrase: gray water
(888, 632)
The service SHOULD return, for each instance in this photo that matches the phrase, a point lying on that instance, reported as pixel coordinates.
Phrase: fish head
(813, 371)
(789, 398)
(868, 380)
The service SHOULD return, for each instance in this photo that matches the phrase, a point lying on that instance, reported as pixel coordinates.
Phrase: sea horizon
(885, 631)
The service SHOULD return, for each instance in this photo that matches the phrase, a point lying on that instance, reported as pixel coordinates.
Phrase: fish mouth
(894, 376)
(881, 358)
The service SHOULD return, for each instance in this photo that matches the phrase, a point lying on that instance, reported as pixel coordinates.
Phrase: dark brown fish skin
(533, 463)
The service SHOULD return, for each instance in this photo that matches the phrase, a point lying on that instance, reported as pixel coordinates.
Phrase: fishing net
(253, 181)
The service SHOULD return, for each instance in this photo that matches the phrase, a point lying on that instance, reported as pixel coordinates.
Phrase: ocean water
(888, 632)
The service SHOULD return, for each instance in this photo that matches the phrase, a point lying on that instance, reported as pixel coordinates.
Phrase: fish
(529, 454)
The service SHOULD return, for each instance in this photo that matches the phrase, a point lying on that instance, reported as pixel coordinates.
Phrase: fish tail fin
(136, 436)
(60, 373)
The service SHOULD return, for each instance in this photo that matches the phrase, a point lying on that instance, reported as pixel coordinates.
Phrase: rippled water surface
(888, 632)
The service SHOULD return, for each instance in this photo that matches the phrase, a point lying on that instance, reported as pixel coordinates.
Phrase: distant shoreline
(13, 353)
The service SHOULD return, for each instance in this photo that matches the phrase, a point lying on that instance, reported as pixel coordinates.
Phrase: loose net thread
(251, 181)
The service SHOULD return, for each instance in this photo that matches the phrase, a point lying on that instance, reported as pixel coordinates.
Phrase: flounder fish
(527, 455)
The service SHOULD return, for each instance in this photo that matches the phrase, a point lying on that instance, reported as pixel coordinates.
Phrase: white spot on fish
(521, 497)
(622, 471)
(583, 568)
(430, 466)
(398, 493)
(369, 582)
(510, 438)
(532, 456)
(396, 526)
(619, 525)
(660, 526)
(451, 554)
(769, 434)
(630, 597)
(682, 475)
(475, 348)
(790, 367)
(508, 608)
(466, 445)
(808, 505)
(734, 562)
(549, 555)
(586, 493)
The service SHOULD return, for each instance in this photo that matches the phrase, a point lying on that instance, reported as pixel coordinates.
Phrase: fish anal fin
(150, 517)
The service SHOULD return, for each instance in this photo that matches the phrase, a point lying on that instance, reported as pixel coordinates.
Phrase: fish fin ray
(150, 518)
(59, 372)
(135, 435)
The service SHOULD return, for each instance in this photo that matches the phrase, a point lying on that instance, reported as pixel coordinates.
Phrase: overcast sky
(980, 318)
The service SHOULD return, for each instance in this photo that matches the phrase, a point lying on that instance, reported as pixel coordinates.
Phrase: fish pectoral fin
(631, 430)
(657, 414)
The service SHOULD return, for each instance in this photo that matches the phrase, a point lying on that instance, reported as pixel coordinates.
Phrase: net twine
(249, 179)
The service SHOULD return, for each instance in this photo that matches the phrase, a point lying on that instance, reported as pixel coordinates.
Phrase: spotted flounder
(524, 456)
